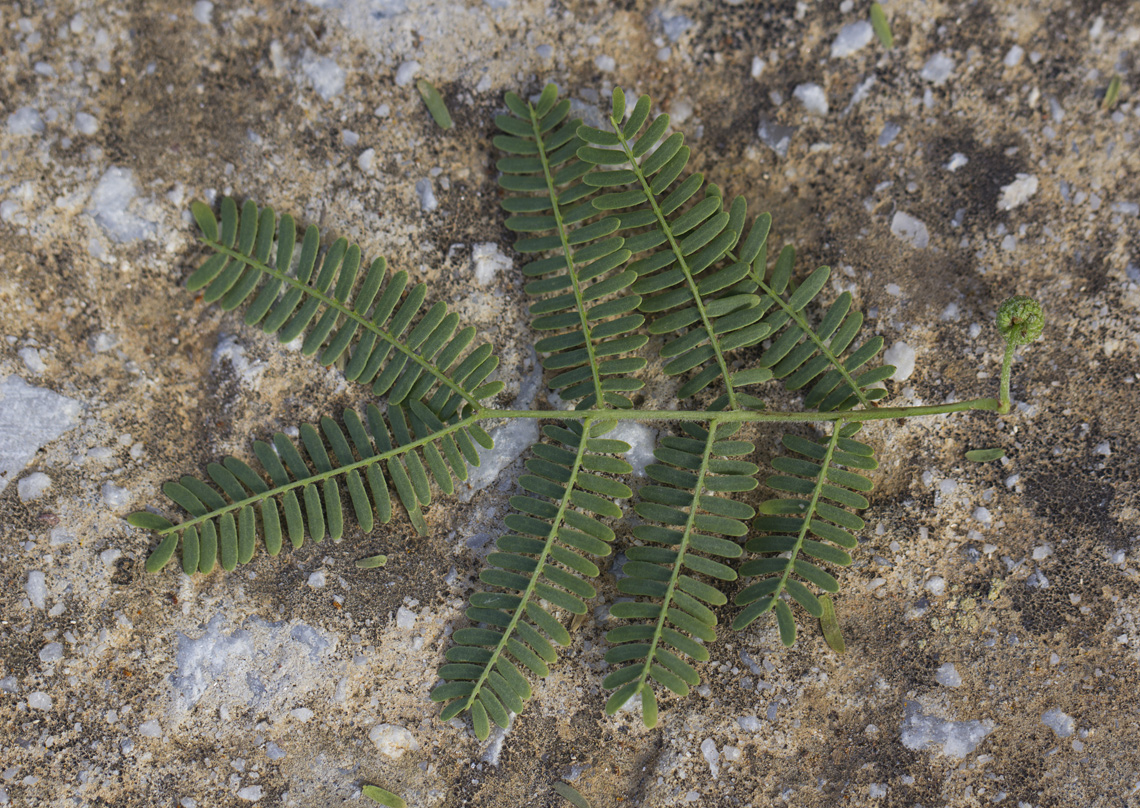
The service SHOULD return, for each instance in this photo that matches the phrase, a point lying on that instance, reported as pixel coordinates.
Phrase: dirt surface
(992, 616)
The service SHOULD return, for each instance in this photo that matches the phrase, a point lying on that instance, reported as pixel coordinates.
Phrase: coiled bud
(1020, 320)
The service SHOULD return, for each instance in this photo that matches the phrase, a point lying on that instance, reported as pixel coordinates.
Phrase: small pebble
(39, 700)
(33, 486)
(406, 73)
(114, 496)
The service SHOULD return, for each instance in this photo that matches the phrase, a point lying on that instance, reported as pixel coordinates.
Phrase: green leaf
(372, 562)
(149, 521)
(830, 626)
(881, 27)
(163, 553)
(434, 103)
(985, 455)
(384, 797)
(568, 791)
(786, 622)
(1111, 94)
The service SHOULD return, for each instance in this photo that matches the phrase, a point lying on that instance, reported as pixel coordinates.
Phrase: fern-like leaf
(821, 359)
(708, 309)
(300, 490)
(687, 525)
(362, 319)
(543, 565)
(814, 522)
(585, 310)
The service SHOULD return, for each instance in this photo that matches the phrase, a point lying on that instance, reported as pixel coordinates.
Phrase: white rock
(317, 579)
(675, 26)
(1062, 724)
(326, 76)
(25, 121)
(405, 618)
(957, 160)
(204, 12)
(1017, 192)
(302, 714)
(938, 69)
(511, 439)
(102, 342)
(268, 668)
(1037, 579)
(758, 66)
(251, 793)
(680, 111)
(488, 260)
(711, 756)
(982, 515)
(406, 73)
(775, 136)
(1014, 56)
(230, 351)
(110, 207)
(852, 37)
(641, 440)
(902, 357)
(604, 63)
(426, 193)
(52, 652)
(39, 700)
(150, 729)
(32, 359)
(33, 486)
(936, 585)
(890, 132)
(956, 738)
(813, 97)
(749, 723)
(114, 496)
(910, 230)
(36, 587)
(367, 161)
(393, 740)
(273, 751)
(947, 675)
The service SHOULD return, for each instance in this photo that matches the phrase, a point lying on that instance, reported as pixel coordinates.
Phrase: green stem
(878, 414)
(1006, 366)
(588, 416)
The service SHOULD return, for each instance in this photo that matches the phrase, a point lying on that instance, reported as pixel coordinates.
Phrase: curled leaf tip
(1020, 320)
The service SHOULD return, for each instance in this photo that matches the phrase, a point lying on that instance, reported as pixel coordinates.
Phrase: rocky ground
(992, 617)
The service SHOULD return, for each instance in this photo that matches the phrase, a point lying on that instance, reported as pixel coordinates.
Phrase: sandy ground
(991, 616)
